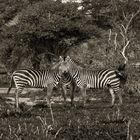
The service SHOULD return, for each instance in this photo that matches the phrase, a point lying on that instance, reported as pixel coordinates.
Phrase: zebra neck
(74, 65)
(57, 76)
(60, 74)
(74, 73)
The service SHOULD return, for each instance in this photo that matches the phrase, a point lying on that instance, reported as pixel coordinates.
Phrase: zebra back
(91, 78)
(36, 78)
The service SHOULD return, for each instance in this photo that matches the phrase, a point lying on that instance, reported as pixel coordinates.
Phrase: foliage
(106, 14)
(45, 27)
(8, 9)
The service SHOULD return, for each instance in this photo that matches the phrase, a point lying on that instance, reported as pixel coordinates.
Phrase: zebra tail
(122, 67)
(122, 76)
(120, 73)
(11, 81)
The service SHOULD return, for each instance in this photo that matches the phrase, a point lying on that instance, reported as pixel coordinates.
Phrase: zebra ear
(61, 58)
(67, 58)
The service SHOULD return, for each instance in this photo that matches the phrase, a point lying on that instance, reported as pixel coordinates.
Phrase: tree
(45, 28)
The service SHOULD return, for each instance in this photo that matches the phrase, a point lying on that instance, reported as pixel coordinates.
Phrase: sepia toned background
(94, 33)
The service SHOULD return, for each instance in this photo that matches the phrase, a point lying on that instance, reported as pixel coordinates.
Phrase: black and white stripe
(85, 78)
(67, 81)
(34, 78)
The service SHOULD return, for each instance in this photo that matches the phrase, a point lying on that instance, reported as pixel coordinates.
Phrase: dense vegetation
(44, 30)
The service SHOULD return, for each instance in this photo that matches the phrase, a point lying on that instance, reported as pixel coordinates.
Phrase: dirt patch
(31, 102)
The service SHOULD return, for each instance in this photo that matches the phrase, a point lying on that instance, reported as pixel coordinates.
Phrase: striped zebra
(85, 78)
(67, 82)
(34, 78)
(41, 79)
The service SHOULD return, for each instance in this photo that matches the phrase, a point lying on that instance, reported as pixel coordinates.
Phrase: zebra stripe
(67, 81)
(41, 79)
(33, 78)
(85, 78)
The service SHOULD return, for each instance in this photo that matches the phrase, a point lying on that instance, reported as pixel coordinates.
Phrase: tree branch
(123, 52)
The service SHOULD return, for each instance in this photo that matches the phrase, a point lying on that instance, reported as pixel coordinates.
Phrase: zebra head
(68, 65)
(64, 64)
(56, 66)
(72, 64)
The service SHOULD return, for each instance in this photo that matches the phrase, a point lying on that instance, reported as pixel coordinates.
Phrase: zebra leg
(120, 97)
(64, 92)
(72, 93)
(112, 95)
(49, 93)
(83, 91)
(17, 92)
(16, 100)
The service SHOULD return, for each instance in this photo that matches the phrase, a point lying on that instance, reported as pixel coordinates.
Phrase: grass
(97, 121)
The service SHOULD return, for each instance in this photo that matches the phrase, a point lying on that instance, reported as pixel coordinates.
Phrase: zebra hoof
(120, 104)
(73, 105)
(18, 111)
(65, 105)
(85, 105)
(112, 105)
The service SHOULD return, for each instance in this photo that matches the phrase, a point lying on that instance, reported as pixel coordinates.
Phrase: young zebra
(85, 78)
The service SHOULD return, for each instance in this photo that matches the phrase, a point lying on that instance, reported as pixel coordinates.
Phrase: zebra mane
(77, 64)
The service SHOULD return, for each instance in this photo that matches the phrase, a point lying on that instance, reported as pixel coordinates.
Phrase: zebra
(67, 81)
(87, 78)
(40, 79)
(34, 78)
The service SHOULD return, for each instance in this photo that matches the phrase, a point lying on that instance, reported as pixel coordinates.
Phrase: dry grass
(96, 121)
